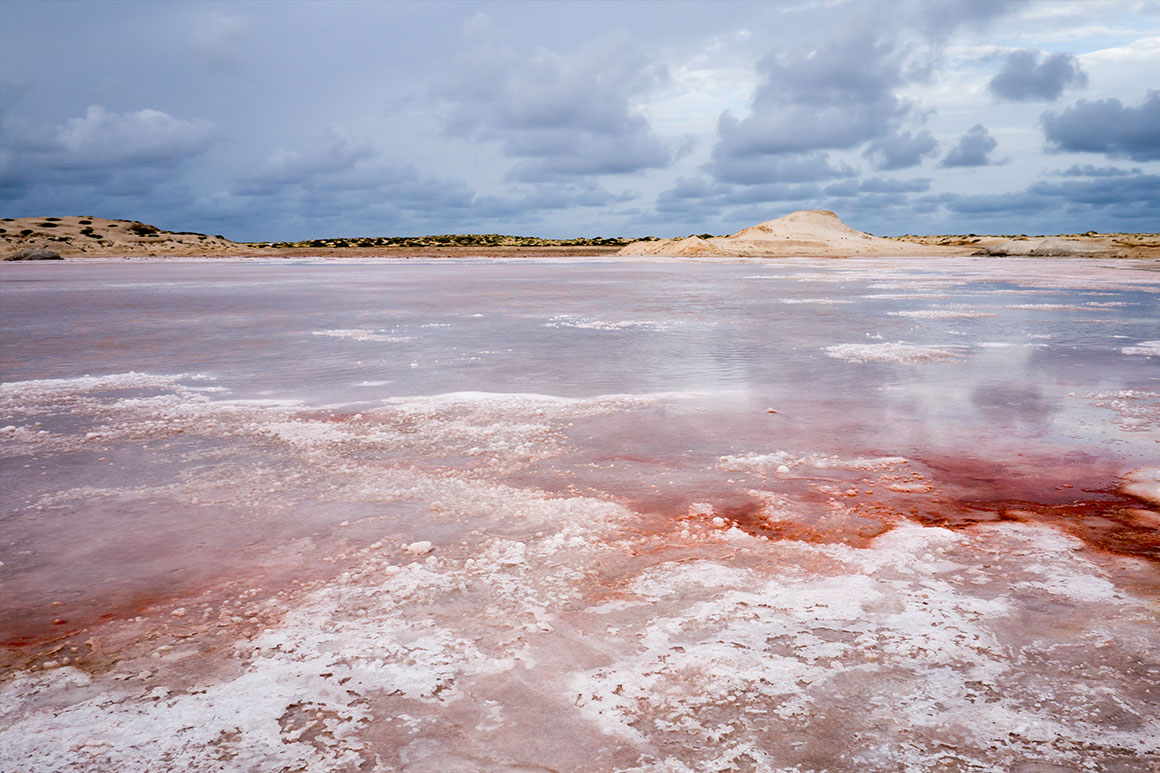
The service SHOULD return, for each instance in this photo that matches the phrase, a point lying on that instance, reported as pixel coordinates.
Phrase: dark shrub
(141, 229)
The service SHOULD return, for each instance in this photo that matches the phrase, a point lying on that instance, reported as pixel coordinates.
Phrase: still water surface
(662, 500)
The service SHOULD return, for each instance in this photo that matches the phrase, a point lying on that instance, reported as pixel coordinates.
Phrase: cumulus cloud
(557, 197)
(1088, 170)
(338, 154)
(101, 139)
(1129, 202)
(1107, 126)
(973, 149)
(343, 185)
(1024, 78)
(887, 185)
(1019, 202)
(836, 96)
(846, 91)
(900, 150)
(562, 115)
(877, 185)
(792, 167)
(100, 154)
(699, 197)
(1136, 190)
(341, 171)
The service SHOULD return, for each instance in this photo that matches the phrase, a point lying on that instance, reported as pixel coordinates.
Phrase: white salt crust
(591, 323)
(941, 314)
(555, 617)
(365, 335)
(894, 352)
(1144, 348)
(1134, 410)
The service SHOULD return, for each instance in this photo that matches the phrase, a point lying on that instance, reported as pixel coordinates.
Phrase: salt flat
(620, 514)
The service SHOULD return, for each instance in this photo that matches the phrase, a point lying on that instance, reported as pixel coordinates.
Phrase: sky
(295, 120)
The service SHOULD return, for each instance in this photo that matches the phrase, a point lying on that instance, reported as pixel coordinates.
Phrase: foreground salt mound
(807, 233)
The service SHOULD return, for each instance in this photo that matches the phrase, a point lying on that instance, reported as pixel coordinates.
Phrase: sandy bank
(821, 234)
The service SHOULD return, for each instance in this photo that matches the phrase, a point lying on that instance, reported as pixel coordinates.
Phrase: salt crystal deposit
(575, 535)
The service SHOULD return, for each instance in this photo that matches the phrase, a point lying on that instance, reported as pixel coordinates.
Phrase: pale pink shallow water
(793, 515)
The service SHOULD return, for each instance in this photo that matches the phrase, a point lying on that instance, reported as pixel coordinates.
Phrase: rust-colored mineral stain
(1076, 495)
(30, 627)
(1110, 526)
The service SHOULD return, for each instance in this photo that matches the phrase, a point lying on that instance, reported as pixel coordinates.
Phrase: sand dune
(819, 233)
(808, 233)
(77, 236)
(1086, 245)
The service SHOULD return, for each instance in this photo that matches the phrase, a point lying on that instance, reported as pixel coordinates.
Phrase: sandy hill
(808, 233)
(1085, 245)
(78, 236)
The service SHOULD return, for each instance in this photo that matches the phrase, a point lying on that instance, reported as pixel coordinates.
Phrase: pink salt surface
(667, 529)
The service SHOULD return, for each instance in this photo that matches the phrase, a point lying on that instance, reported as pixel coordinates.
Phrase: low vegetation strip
(448, 240)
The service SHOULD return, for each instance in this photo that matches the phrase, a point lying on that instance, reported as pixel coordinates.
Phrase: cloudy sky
(290, 120)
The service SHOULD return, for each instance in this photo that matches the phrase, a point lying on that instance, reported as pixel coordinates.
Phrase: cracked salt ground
(613, 546)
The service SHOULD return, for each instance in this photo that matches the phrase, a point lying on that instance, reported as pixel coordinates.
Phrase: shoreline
(813, 234)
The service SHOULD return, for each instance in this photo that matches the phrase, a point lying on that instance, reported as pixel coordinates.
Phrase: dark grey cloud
(546, 198)
(538, 119)
(1107, 126)
(1024, 78)
(790, 167)
(343, 185)
(1088, 170)
(102, 140)
(973, 149)
(700, 197)
(845, 92)
(836, 96)
(849, 188)
(98, 157)
(333, 162)
(562, 115)
(989, 203)
(886, 185)
(1128, 202)
(1137, 190)
(344, 180)
(900, 150)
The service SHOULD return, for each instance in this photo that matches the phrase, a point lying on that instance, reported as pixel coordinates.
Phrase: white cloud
(145, 138)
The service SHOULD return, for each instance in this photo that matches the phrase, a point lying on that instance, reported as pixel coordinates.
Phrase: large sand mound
(96, 236)
(808, 233)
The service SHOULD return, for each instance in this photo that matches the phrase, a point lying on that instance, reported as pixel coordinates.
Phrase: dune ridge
(819, 233)
(806, 233)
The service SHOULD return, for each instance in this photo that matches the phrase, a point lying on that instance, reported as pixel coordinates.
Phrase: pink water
(794, 515)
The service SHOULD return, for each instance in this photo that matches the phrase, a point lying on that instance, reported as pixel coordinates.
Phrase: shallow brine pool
(859, 514)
